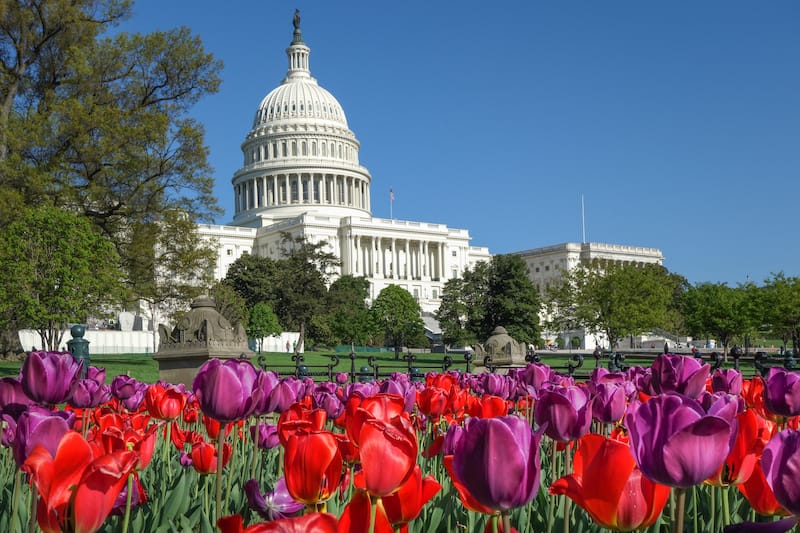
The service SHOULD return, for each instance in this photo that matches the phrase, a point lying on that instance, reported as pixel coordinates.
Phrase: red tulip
(356, 516)
(609, 486)
(432, 402)
(753, 434)
(297, 417)
(489, 407)
(406, 504)
(164, 403)
(467, 499)
(204, 456)
(388, 454)
(314, 522)
(760, 495)
(116, 433)
(312, 466)
(380, 406)
(77, 489)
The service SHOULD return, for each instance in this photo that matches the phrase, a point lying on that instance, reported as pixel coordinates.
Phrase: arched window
(304, 148)
(324, 147)
(313, 148)
(294, 148)
(283, 149)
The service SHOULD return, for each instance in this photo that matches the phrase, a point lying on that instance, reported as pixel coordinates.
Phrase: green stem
(506, 522)
(220, 454)
(712, 509)
(373, 512)
(255, 457)
(567, 501)
(15, 500)
(726, 509)
(680, 508)
(694, 505)
(551, 501)
(165, 453)
(494, 520)
(126, 520)
(32, 517)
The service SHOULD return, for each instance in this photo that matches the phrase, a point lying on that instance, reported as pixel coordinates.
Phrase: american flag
(391, 195)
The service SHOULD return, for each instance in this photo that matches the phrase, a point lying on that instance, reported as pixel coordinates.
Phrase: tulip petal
(696, 452)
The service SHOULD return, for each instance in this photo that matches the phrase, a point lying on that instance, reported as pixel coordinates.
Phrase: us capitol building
(301, 176)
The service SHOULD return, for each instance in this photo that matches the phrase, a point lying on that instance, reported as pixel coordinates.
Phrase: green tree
(780, 308)
(230, 304)
(54, 269)
(263, 323)
(301, 284)
(512, 300)
(348, 314)
(453, 313)
(254, 278)
(717, 310)
(100, 125)
(616, 299)
(397, 313)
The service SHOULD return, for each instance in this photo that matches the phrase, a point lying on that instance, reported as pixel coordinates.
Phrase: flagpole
(391, 203)
(583, 222)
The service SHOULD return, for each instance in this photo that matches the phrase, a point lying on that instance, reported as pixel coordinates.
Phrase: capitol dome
(300, 155)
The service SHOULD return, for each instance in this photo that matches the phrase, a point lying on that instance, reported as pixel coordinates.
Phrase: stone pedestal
(202, 334)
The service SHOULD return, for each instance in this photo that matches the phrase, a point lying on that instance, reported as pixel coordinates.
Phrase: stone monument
(201, 334)
(502, 348)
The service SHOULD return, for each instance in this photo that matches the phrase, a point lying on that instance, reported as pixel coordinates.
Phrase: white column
(406, 266)
(426, 271)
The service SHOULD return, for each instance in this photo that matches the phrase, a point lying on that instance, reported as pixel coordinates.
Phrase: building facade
(301, 177)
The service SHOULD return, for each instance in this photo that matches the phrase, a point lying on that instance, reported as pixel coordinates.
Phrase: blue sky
(678, 122)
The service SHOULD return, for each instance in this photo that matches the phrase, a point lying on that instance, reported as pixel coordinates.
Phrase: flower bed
(672, 447)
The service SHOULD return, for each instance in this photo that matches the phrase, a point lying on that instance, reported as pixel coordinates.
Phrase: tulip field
(673, 447)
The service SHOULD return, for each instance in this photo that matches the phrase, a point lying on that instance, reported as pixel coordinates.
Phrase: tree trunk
(301, 339)
(10, 344)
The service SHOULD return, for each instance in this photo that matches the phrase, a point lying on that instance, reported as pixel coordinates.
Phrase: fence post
(79, 347)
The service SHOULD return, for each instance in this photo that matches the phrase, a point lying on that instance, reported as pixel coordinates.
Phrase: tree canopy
(613, 298)
(498, 293)
(98, 124)
(718, 311)
(263, 323)
(54, 269)
(397, 313)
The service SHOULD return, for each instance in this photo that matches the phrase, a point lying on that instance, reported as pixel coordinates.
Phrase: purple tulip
(13, 400)
(609, 402)
(676, 442)
(679, 373)
(47, 376)
(727, 380)
(9, 425)
(451, 438)
(272, 505)
(286, 392)
(497, 460)
(266, 435)
(342, 378)
(228, 391)
(780, 462)
(362, 390)
(88, 393)
(128, 391)
(565, 412)
(400, 384)
(782, 392)
(329, 402)
(40, 426)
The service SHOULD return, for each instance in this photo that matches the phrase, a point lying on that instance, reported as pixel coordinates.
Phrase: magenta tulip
(40, 426)
(564, 411)
(497, 461)
(782, 392)
(272, 505)
(679, 373)
(47, 376)
(727, 380)
(676, 442)
(228, 391)
(609, 402)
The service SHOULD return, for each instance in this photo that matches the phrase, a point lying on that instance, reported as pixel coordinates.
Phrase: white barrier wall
(141, 342)
(100, 341)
